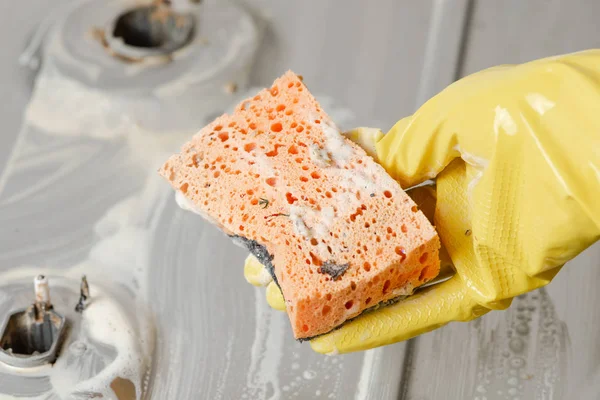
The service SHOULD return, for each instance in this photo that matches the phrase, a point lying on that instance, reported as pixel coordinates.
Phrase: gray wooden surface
(380, 59)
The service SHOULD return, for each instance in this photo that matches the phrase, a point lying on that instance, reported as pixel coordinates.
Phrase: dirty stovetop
(87, 121)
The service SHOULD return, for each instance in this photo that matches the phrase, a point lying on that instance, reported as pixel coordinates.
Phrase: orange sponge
(339, 234)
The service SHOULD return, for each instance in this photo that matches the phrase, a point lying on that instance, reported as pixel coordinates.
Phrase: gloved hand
(515, 151)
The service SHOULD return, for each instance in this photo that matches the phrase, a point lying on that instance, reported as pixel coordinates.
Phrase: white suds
(337, 153)
(105, 322)
(296, 214)
(186, 204)
(319, 156)
(320, 221)
(328, 215)
(78, 110)
(324, 221)
(356, 179)
(336, 144)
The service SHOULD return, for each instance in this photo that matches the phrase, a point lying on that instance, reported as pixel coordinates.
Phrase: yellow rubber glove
(515, 151)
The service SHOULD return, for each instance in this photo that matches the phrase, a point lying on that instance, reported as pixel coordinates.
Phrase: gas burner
(147, 31)
(32, 336)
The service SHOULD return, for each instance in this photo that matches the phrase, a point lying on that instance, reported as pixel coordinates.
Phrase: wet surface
(87, 363)
(57, 216)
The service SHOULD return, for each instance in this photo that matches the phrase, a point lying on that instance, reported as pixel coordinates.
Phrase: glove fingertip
(275, 297)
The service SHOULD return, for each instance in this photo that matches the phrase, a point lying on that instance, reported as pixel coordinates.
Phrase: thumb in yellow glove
(515, 151)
